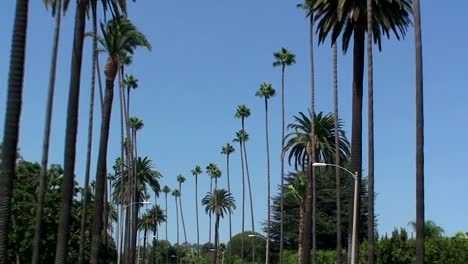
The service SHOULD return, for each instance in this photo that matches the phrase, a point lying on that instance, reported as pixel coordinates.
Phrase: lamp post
(266, 250)
(125, 206)
(217, 251)
(355, 213)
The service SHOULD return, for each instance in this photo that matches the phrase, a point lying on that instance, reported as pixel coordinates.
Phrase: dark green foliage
(235, 245)
(326, 213)
(23, 217)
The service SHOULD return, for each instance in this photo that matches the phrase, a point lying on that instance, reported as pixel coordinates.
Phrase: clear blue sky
(209, 56)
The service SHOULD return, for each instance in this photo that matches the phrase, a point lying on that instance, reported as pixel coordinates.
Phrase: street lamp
(217, 251)
(355, 214)
(127, 205)
(267, 249)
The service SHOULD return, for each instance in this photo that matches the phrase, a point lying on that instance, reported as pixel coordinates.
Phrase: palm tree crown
(299, 141)
(130, 81)
(136, 123)
(241, 136)
(154, 217)
(197, 171)
(242, 112)
(266, 91)
(180, 179)
(166, 189)
(335, 18)
(283, 58)
(228, 149)
(219, 202)
(213, 170)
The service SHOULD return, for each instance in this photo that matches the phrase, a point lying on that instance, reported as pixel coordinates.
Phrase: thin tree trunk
(167, 239)
(101, 171)
(182, 214)
(251, 201)
(370, 120)
(84, 211)
(230, 223)
(337, 155)
(209, 232)
(196, 210)
(300, 250)
(268, 184)
(144, 244)
(122, 168)
(155, 260)
(420, 218)
(216, 239)
(356, 130)
(12, 120)
(136, 198)
(243, 201)
(283, 131)
(70, 135)
(45, 145)
(177, 215)
(98, 73)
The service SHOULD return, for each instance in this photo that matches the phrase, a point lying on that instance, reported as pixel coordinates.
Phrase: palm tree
(337, 155)
(239, 138)
(195, 172)
(214, 172)
(166, 190)
(56, 6)
(420, 218)
(119, 36)
(131, 83)
(297, 190)
(431, 229)
(12, 119)
(150, 221)
(370, 120)
(227, 150)
(71, 134)
(176, 195)
(218, 203)
(283, 58)
(350, 18)
(180, 180)
(266, 91)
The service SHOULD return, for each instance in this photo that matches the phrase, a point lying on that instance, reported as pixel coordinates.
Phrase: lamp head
(319, 164)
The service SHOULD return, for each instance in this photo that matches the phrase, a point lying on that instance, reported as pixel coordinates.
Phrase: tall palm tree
(214, 172)
(71, 134)
(283, 58)
(176, 195)
(195, 172)
(150, 221)
(12, 119)
(370, 120)
(350, 18)
(166, 190)
(227, 150)
(420, 218)
(180, 180)
(218, 203)
(337, 155)
(242, 112)
(266, 91)
(119, 36)
(131, 83)
(56, 6)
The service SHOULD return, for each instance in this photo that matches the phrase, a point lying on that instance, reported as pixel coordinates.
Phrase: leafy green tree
(12, 120)
(219, 203)
(227, 150)
(431, 230)
(195, 172)
(349, 19)
(150, 221)
(283, 58)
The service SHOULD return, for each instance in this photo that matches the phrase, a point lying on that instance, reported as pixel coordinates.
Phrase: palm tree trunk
(370, 120)
(182, 214)
(46, 139)
(209, 232)
(268, 184)
(243, 201)
(420, 218)
(12, 119)
(144, 244)
(196, 211)
(337, 155)
(283, 131)
(136, 198)
(300, 250)
(71, 134)
(84, 199)
(167, 239)
(177, 215)
(101, 170)
(216, 253)
(230, 215)
(123, 188)
(251, 202)
(356, 130)
(155, 259)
